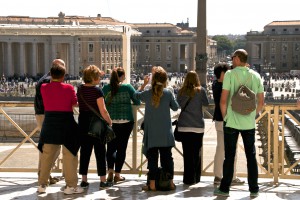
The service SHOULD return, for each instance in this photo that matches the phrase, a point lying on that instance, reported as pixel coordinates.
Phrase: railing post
(134, 138)
(275, 146)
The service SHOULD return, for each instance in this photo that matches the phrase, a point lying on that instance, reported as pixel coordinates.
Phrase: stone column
(47, 56)
(201, 55)
(33, 59)
(9, 66)
(126, 51)
(22, 63)
(77, 56)
(71, 59)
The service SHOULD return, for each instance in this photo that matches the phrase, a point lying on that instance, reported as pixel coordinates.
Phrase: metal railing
(278, 156)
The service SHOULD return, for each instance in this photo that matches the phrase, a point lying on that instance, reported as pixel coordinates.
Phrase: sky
(223, 16)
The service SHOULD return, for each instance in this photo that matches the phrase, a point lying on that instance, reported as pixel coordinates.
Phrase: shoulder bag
(177, 135)
(98, 127)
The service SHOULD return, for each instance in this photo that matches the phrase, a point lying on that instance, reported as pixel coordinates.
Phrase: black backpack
(162, 180)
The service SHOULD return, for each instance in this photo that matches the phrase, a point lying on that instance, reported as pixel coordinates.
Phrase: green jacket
(120, 106)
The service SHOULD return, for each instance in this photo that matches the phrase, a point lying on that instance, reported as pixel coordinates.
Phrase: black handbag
(98, 127)
(177, 135)
(162, 180)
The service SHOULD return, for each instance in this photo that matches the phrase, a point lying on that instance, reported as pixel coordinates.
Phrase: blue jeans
(230, 142)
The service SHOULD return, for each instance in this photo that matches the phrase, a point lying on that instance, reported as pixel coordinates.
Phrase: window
(91, 48)
(169, 31)
(147, 31)
(158, 31)
(273, 48)
(91, 59)
(147, 48)
(284, 47)
(297, 46)
(157, 48)
(169, 65)
(79, 47)
(169, 48)
(283, 57)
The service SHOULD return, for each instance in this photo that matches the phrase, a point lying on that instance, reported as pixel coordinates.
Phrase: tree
(239, 44)
(223, 44)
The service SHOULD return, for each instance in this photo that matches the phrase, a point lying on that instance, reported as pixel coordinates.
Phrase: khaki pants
(220, 152)
(39, 121)
(70, 163)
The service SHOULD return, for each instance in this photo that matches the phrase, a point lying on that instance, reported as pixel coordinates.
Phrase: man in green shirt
(235, 123)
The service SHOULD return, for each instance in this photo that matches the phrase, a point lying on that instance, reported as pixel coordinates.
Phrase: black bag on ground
(162, 180)
(101, 130)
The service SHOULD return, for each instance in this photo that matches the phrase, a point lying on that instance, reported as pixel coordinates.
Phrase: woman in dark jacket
(191, 126)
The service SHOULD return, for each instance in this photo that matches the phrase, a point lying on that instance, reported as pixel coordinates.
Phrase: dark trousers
(191, 146)
(230, 141)
(87, 144)
(166, 161)
(116, 149)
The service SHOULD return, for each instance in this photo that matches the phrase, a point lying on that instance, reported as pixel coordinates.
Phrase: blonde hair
(91, 73)
(190, 85)
(159, 82)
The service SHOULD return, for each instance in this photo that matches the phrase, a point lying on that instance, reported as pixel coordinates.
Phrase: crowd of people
(54, 102)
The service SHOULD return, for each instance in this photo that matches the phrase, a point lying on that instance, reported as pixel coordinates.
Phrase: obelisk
(201, 55)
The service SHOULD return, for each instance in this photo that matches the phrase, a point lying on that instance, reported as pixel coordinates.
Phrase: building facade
(277, 48)
(28, 45)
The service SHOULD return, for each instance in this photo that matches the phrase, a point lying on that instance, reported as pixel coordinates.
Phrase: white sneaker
(72, 190)
(42, 189)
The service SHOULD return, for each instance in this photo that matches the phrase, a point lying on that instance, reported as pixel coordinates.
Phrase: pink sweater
(58, 96)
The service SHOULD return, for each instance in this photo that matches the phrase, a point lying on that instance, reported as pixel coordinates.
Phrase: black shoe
(84, 184)
(104, 185)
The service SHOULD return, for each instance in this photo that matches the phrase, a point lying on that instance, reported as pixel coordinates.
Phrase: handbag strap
(186, 104)
(90, 107)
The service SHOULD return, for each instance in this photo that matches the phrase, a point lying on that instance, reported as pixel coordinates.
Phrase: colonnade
(31, 58)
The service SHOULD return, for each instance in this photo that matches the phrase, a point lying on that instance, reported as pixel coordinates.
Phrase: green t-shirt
(231, 83)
